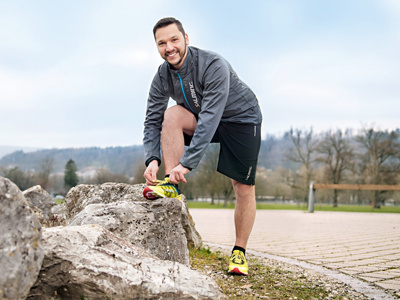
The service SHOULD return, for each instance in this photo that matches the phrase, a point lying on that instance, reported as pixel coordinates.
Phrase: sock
(239, 248)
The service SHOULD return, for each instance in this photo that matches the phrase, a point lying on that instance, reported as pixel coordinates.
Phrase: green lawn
(59, 201)
(317, 207)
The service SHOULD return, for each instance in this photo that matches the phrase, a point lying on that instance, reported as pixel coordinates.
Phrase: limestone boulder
(21, 252)
(58, 215)
(153, 225)
(90, 262)
(40, 198)
(81, 196)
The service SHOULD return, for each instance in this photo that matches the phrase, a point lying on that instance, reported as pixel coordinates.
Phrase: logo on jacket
(193, 94)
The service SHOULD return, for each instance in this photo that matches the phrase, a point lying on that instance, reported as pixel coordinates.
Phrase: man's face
(172, 45)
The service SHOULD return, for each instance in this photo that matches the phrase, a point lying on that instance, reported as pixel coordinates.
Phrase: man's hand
(151, 173)
(178, 173)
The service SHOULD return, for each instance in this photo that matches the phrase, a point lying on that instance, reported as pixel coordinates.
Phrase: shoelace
(169, 191)
(238, 258)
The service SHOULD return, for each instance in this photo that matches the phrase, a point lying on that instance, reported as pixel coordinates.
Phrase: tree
(45, 168)
(104, 175)
(337, 155)
(380, 162)
(20, 178)
(207, 181)
(304, 145)
(207, 175)
(70, 176)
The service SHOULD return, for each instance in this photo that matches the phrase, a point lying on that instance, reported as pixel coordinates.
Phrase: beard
(182, 56)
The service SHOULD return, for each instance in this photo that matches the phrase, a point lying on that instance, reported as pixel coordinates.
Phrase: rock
(40, 198)
(58, 215)
(84, 194)
(192, 236)
(21, 252)
(153, 225)
(89, 262)
(81, 196)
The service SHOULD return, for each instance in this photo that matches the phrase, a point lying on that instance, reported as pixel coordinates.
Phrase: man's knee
(171, 114)
(179, 117)
(238, 184)
(242, 189)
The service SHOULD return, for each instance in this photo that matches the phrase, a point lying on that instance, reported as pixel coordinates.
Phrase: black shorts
(240, 145)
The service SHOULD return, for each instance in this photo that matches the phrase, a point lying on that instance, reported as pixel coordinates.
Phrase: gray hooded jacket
(207, 86)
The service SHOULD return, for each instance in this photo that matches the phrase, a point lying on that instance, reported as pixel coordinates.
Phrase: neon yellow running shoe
(163, 189)
(238, 264)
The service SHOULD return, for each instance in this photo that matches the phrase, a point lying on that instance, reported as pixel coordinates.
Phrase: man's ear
(186, 39)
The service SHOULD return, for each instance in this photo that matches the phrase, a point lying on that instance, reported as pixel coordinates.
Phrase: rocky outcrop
(139, 252)
(153, 225)
(21, 252)
(159, 226)
(39, 198)
(84, 194)
(89, 262)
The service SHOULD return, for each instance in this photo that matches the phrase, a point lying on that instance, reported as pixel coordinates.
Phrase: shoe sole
(149, 194)
(236, 271)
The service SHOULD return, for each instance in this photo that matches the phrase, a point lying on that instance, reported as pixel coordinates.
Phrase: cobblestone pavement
(363, 245)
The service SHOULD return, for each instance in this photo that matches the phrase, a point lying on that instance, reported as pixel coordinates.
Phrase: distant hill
(123, 160)
(120, 160)
(5, 149)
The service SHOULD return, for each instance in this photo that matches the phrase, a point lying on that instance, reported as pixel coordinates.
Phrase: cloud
(83, 71)
(330, 83)
(127, 56)
(25, 90)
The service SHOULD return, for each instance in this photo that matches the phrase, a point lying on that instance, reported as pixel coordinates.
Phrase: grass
(59, 201)
(263, 282)
(317, 207)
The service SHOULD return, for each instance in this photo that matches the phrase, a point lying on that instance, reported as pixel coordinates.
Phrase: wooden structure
(357, 187)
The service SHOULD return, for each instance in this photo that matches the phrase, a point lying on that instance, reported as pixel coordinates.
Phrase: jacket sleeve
(216, 80)
(156, 105)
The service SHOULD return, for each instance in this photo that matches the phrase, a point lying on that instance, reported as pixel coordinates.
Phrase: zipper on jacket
(183, 91)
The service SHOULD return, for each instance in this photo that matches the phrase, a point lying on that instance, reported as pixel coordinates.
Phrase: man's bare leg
(177, 120)
(245, 212)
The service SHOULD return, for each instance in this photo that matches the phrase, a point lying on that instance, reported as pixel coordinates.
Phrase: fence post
(311, 198)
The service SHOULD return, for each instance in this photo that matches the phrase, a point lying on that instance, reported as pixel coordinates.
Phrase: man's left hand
(178, 173)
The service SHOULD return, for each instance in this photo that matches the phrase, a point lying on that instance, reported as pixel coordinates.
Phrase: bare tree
(45, 168)
(303, 149)
(105, 175)
(138, 173)
(213, 183)
(337, 156)
(380, 163)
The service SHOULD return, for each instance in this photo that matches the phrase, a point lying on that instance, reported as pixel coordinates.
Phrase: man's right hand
(151, 173)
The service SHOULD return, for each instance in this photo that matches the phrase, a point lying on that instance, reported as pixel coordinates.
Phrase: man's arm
(215, 95)
(157, 103)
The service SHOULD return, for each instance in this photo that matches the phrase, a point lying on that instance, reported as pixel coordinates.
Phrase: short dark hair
(164, 22)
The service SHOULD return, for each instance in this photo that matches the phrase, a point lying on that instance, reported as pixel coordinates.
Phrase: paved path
(363, 245)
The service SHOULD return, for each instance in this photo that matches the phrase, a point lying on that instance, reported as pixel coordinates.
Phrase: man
(213, 105)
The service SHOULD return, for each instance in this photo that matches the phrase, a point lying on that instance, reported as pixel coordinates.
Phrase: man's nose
(169, 47)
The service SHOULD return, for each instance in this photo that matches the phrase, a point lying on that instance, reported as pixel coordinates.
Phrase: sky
(76, 73)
